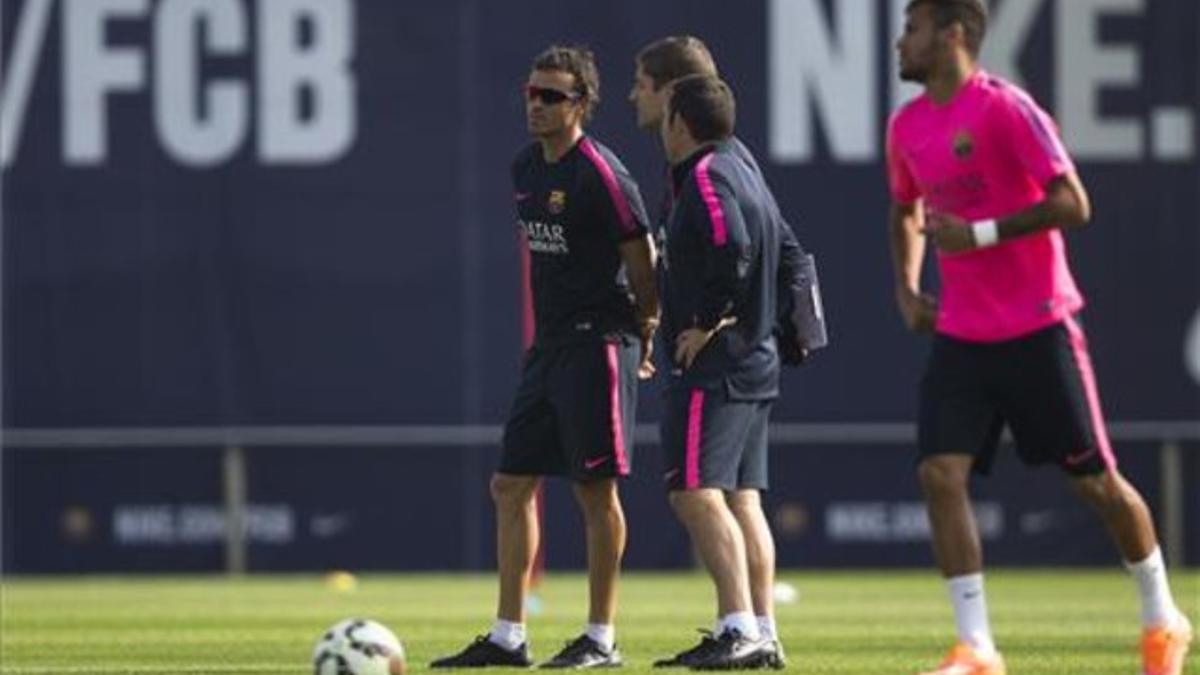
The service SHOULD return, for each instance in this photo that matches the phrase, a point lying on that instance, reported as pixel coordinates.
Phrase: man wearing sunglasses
(596, 309)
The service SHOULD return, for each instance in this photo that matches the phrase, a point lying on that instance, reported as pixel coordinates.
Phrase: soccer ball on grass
(358, 647)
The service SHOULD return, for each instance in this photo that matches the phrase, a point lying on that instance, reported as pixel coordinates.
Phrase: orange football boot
(1164, 648)
(964, 660)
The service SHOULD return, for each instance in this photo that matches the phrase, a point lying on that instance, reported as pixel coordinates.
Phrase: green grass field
(844, 622)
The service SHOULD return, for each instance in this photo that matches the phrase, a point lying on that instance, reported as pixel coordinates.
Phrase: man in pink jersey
(977, 169)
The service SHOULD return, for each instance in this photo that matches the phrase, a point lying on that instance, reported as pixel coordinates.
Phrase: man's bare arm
(639, 257)
(1066, 205)
(905, 225)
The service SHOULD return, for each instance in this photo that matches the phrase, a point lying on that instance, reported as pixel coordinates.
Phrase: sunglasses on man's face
(548, 96)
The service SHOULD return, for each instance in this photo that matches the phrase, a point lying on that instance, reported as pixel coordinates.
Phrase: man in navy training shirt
(596, 310)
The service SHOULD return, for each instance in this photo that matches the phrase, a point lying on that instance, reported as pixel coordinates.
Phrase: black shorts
(1041, 385)
(573, 413)
(711, 441)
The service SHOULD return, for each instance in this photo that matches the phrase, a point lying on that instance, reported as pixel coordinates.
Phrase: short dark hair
(706, 104)
(676, 56)
(972, 14)
(580, 62)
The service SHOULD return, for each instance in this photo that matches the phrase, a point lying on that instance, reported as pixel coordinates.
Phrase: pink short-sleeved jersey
(987, 153)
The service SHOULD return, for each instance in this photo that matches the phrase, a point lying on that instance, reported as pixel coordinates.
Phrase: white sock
(507, 634)
(603, 634)
(970, 612)
(1158, 608)
(742, 622)
(766, 626)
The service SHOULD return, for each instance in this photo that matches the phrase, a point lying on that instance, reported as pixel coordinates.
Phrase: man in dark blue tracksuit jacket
(725, 247)
(659, 64)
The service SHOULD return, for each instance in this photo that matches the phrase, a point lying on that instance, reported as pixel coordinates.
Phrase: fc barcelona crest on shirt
(557, 202)
(964, 145)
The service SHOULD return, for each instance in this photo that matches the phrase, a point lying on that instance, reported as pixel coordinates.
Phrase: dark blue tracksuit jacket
(725, 248)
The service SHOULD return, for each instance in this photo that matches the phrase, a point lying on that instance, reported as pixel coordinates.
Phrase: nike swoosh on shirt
(521, 196)
(1076, 459)
(593, 463)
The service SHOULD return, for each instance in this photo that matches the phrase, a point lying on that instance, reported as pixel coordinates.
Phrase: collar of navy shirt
(683, 169)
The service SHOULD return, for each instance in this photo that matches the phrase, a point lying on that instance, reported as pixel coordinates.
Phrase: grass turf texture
(1047, 622)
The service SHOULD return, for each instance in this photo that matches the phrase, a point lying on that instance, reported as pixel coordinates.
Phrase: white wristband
(985, 233)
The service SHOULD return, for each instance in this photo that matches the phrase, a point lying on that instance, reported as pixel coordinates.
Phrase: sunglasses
(548, 96)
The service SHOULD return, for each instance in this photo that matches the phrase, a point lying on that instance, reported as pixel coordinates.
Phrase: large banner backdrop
(298, 212)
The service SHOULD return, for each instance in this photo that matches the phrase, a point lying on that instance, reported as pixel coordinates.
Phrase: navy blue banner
(243, 212)
(278, 212)
(428, 509)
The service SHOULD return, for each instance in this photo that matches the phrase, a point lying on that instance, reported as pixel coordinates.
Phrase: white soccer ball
(785, 593)
(358, 647)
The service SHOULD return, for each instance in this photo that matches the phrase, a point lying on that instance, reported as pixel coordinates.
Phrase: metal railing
(1169, 435)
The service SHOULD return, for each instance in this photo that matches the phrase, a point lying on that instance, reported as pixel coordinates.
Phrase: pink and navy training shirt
(574, 213)
(988, 152)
